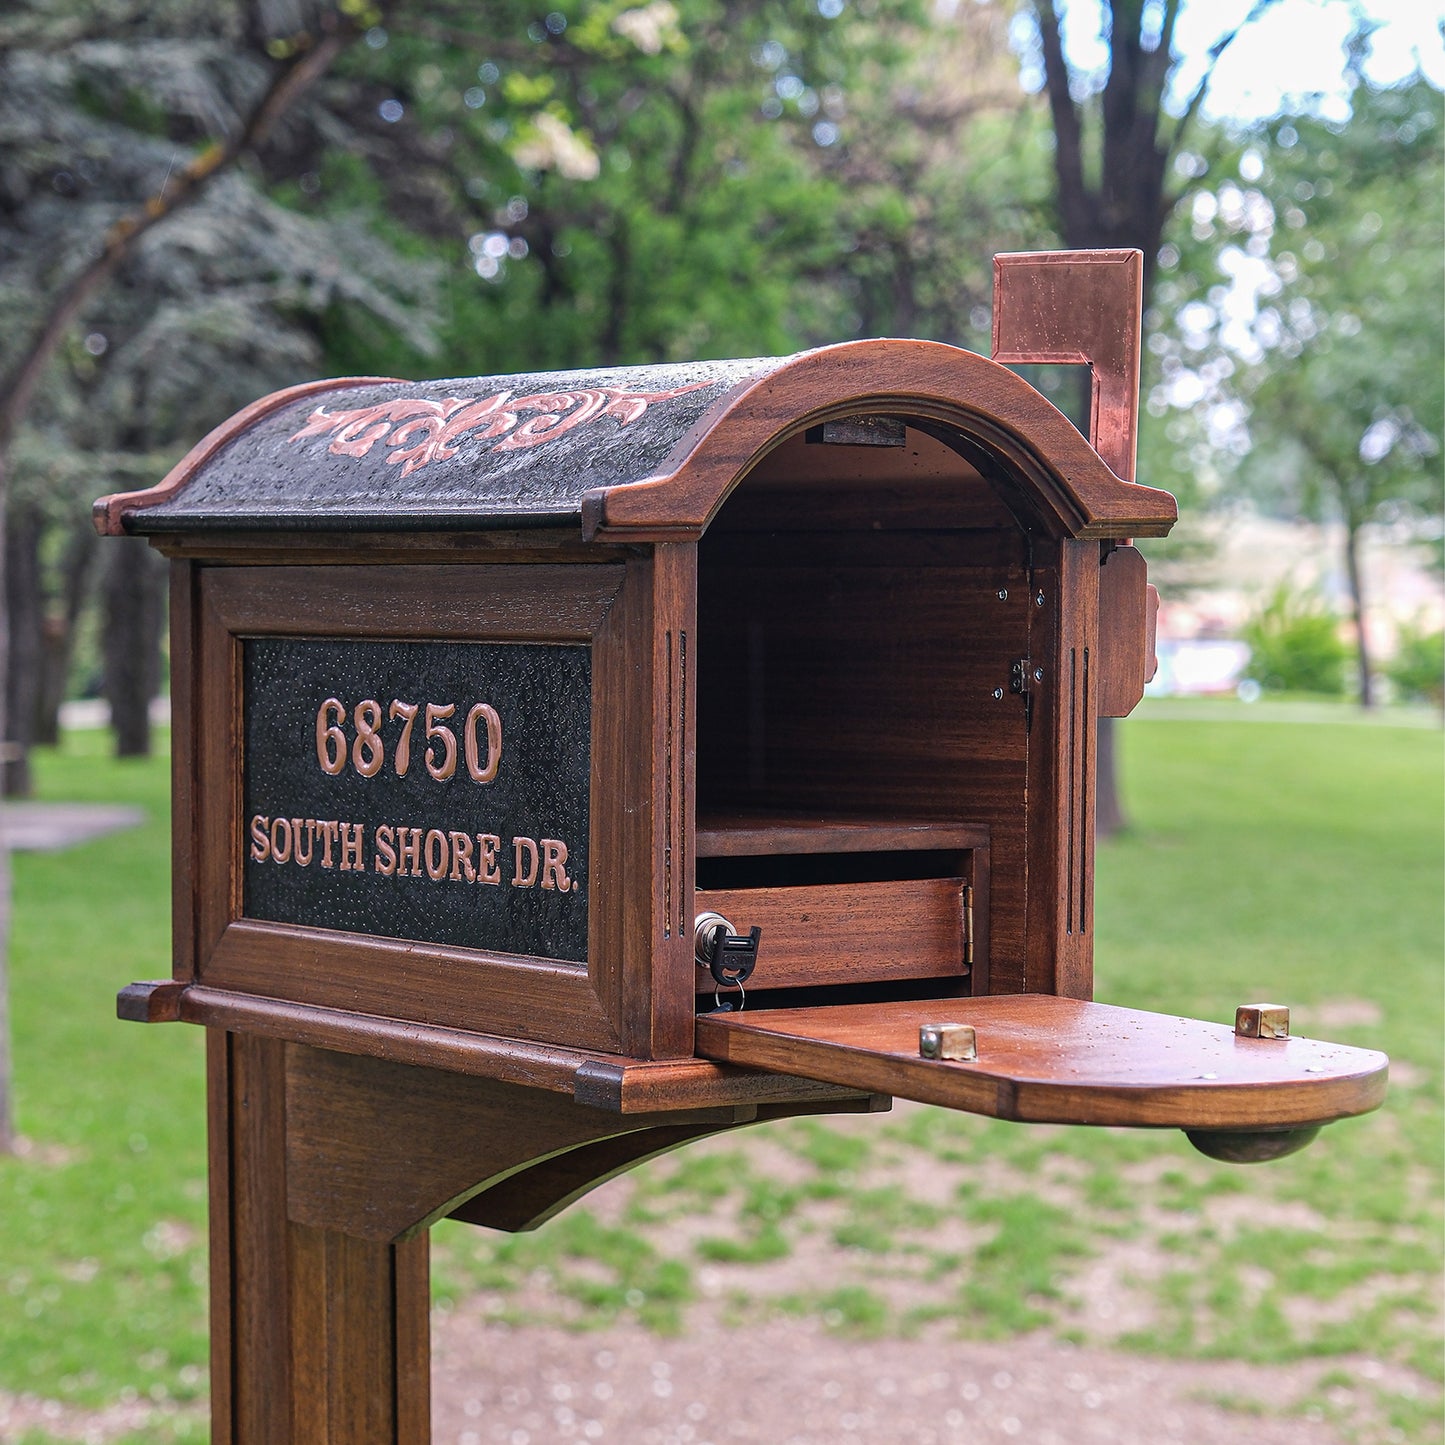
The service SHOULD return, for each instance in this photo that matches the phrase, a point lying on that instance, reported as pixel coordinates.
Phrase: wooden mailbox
(486, 690)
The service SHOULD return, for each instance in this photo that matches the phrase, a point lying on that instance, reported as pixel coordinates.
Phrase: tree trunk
(57, 636)
(1108, 810)
(1357, 600)
(1130, 203)
(25, 608)
(7, 1114)
(134, 624)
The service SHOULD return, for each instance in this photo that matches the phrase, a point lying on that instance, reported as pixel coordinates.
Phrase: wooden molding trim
(608, 1083)
(1075, 492)
(155, 1002)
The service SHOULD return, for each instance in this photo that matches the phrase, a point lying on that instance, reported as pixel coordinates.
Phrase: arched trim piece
(1074, 494)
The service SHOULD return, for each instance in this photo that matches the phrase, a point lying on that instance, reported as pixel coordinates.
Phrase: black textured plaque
(493, 856)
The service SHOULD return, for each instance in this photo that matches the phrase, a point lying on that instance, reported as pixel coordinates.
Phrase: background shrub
(1295, 645)
(1418, 666)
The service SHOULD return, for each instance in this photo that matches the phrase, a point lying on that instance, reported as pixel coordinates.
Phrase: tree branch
(311, 60)
(1068, 138)
(1215, 52)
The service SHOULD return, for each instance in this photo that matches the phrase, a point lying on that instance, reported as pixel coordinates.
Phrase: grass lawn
(1297, 863)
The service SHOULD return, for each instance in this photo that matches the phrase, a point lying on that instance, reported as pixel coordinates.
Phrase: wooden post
(316, 1336)
(327, 1169)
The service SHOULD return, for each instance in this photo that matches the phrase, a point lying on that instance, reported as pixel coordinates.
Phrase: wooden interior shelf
(754, 834)
(846, 900)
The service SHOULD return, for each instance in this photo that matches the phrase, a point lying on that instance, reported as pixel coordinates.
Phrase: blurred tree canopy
(1302, 365)
(445, 187)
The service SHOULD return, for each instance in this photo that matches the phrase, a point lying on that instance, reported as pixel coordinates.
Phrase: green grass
(102, 1246)
(1302, 864)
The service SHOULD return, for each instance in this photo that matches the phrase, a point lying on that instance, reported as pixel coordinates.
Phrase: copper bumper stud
(1261, 1021)
(948, 1041)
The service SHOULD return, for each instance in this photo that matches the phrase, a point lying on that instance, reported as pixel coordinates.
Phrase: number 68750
(481, 741)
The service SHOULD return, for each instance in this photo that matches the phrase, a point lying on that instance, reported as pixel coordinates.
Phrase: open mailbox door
(1046, 1060)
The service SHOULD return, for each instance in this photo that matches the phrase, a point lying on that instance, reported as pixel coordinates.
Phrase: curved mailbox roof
(640, 451)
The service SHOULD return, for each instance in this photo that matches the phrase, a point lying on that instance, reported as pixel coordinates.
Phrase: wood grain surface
(1062, 1061)
(318, 1337)
(1124, 633)
(758, 834)
(1056, 478)
(846, 933)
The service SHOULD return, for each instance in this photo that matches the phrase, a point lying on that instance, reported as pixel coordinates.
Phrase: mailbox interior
(863, 749)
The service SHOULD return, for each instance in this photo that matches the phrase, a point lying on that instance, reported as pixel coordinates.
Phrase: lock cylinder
(728, 956)
(705, 936)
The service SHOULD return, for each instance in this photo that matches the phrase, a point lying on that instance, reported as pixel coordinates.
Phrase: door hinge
(968, 927)
(1024, 676)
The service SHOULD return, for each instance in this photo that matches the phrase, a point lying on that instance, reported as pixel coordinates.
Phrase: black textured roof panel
(496, 450)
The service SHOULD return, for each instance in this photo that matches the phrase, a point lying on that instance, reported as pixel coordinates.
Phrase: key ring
(720, 1007)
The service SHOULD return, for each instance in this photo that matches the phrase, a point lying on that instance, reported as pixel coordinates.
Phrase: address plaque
(434, 791)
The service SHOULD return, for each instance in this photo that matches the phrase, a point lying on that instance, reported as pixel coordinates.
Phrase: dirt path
(795, 1384)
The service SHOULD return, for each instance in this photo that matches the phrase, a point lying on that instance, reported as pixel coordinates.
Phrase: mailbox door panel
(1043, 1059)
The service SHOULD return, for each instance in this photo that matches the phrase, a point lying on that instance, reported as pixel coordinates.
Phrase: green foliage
(1295, 363)
(645, 183)
(1294, 645)
(102, 1254)
(1417, 669)
(218, 304)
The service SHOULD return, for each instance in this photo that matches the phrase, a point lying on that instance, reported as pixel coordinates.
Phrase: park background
(203, 203)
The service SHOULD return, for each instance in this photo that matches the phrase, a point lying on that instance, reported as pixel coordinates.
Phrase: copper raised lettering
(352, 838)
(524, 878)
(401, 758)
(410, 852)
(479, 773)
(435, 853)
(326, 829)
(554, 874)
(303, 828)
(281, 827)
(385, 853)
(330, 740)
(260, 841)
(487, 868)
(443, 769)
(462, 858)
(368, 752)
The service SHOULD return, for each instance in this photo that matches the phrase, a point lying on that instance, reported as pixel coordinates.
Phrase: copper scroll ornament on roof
(425, 431)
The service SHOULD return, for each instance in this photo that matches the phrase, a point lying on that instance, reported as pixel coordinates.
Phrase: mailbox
(645, 733)
(568, 766)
